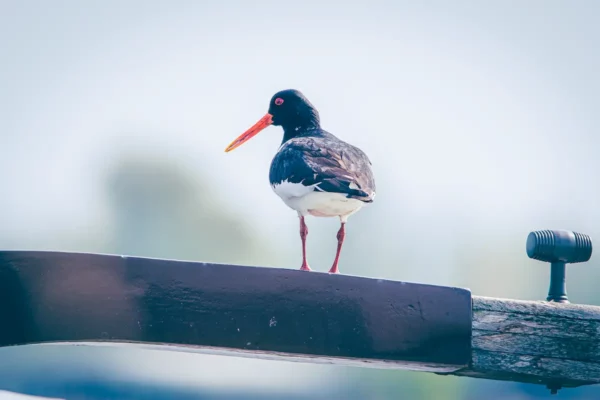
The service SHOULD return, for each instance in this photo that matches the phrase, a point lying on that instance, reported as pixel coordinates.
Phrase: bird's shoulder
(327, 163)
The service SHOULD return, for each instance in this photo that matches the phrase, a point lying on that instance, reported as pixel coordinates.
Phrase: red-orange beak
(250, 133)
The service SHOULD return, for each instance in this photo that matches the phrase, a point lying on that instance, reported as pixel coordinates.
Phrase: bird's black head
(291, 110)
(288, 109)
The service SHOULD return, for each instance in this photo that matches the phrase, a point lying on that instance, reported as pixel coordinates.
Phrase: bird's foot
(305, 267)
(340, 237)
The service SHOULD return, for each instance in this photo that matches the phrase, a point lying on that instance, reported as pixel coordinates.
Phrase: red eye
(278, 101)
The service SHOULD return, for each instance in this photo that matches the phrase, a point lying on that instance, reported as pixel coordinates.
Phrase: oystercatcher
(314, 172)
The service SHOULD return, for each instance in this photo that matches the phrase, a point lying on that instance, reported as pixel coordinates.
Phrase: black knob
(559, 247)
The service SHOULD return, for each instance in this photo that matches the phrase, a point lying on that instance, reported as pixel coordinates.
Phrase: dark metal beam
(267, 312)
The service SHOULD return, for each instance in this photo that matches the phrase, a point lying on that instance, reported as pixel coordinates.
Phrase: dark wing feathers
(331, 166)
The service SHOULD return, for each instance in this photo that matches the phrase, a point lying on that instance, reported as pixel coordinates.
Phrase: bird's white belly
(306, 201)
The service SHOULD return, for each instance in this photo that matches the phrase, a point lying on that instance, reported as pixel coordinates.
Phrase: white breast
(306, 201)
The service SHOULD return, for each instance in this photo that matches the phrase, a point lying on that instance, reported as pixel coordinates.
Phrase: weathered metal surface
(268, 312)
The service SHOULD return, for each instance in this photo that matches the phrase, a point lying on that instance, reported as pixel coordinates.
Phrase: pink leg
(303, 235)
(340, 237)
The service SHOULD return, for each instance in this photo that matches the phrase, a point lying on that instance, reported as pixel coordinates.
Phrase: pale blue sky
(476, 116)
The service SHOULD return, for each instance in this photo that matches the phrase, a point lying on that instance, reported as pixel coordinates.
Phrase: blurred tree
(160, 209)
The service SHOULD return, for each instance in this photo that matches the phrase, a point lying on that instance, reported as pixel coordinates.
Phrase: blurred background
(481, 119)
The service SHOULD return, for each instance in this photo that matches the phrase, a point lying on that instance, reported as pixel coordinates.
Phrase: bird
(314, 172)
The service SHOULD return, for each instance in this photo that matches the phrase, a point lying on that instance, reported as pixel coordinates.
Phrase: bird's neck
(304, 127)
